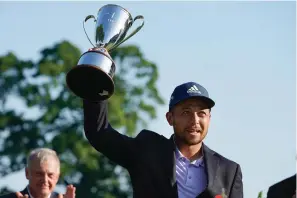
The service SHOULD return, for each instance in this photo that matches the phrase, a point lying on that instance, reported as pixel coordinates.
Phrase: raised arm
(117, 147)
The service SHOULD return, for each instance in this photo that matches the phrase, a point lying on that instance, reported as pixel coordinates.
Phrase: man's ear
(169, 118)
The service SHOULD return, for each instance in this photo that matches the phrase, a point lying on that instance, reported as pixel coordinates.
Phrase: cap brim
(210, 103)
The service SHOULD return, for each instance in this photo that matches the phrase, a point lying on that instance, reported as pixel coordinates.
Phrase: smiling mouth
(193, 131)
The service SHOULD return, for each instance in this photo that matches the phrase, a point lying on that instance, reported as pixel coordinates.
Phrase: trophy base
(90, 83)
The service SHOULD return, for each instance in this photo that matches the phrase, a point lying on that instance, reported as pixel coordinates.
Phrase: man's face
(43, 177)
(190, 120)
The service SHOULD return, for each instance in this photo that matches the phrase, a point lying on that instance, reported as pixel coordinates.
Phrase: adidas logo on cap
(194, 89)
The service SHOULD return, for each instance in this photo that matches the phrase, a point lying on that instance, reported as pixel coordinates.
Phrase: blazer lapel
(212, 167)
(170, 167)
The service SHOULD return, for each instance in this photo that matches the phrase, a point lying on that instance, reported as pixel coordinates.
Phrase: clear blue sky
(242, 52)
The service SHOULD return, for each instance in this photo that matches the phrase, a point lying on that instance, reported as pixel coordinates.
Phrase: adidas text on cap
(189, 90)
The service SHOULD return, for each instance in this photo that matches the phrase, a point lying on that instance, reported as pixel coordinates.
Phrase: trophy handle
(140, 17)
(87, 18)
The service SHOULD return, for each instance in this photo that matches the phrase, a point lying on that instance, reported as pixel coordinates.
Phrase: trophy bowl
(92, 79)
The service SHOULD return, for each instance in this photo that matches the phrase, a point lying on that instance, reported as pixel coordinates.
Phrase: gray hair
(41, 155)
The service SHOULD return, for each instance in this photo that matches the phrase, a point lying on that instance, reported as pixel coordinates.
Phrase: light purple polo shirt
(191, 177)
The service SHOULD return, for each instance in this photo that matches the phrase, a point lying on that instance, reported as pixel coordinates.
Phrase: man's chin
(192, 143)
(194, 140)
(45, 191)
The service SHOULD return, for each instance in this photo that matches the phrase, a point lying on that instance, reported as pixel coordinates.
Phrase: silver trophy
(92, 78)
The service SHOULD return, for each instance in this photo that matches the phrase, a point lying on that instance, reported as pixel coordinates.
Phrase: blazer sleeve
(117, 147)
(237, 185)
(11, 195)
(271, 193)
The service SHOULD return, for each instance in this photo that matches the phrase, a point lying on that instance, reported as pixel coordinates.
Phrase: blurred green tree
(58, 121)
(260, 195)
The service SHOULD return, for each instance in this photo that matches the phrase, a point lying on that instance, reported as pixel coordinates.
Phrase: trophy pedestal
(91, 79)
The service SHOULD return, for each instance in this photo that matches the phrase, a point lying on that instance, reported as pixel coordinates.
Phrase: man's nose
(44, 178)
(195, 118)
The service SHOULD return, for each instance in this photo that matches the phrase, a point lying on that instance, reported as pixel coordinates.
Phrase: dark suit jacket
(283, 189)
(150, 159)
(13, 195)
(25, 191)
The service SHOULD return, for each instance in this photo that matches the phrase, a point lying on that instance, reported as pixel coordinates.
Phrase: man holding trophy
(182, 166)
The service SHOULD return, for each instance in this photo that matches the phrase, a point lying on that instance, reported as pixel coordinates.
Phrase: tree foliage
(58, 121)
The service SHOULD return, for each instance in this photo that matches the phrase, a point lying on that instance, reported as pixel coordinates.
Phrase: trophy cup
(92, 77)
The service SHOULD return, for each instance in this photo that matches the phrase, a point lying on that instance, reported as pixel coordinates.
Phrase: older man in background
(42, 172)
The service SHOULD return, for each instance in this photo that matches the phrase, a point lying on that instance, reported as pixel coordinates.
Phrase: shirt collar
(179, 156)
(32, 196)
